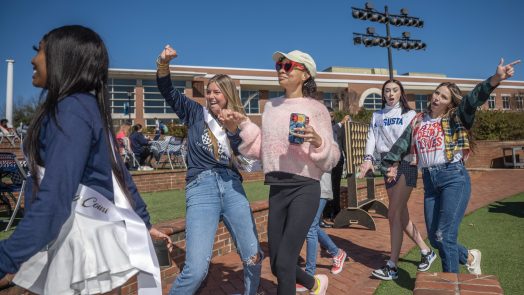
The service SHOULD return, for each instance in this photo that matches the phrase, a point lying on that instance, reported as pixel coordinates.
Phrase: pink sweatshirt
(272, 146)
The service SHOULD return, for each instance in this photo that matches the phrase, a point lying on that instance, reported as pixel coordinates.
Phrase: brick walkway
(367, 249)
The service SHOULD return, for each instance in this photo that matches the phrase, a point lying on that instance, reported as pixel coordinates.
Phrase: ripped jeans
(447, 190)
(216, 194)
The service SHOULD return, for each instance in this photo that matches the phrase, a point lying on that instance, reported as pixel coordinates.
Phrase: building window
(505, 102)
(421, 102)
(118, 95)
(250, 101)
(330, 100)
(519, 102)
(373, 102)
(154, 103)
(491, 102)
(151, 122)
(273, 94)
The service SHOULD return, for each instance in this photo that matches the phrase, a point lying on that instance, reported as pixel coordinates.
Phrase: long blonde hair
(229, 89)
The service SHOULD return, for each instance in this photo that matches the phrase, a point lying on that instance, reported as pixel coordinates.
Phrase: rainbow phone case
(297, 120)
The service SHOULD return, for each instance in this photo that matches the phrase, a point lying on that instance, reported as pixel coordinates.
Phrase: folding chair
(174, 148)
(176, 151)
(128, 153)
(13, 178)
(11, 136)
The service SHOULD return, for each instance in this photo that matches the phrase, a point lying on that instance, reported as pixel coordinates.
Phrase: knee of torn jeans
(255, 259)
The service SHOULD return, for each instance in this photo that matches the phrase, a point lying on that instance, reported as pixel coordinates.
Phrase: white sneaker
(474, 267)
(386, 273)
(322, 289)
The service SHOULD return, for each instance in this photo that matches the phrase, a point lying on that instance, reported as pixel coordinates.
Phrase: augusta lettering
(391, 121)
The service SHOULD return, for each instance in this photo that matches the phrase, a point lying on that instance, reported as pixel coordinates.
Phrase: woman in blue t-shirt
(213, 184)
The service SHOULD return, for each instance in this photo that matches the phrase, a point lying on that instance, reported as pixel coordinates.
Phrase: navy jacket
(76, 153)
(138, 142)
(200, 151)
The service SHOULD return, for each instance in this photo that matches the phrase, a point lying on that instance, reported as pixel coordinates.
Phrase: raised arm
(181, 104)
(480, 94)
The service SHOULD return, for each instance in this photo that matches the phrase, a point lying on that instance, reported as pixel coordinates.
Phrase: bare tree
(25, 109)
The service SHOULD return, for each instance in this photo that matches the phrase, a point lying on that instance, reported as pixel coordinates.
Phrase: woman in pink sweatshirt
(294, 160)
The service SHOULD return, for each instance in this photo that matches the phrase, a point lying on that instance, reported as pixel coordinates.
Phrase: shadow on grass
(414, 262)
(512, 208)
(404, 280)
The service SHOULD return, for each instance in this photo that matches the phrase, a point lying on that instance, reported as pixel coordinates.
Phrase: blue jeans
(211, 195)
(317, 235)
(447, 190)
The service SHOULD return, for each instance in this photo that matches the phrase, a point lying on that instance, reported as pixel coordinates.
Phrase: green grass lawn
(169, 205)
(497, 230)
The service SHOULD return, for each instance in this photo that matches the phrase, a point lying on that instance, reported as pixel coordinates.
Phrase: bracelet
(160, 64)
(368, 158)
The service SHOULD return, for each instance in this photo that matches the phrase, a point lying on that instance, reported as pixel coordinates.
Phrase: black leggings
(292, 209)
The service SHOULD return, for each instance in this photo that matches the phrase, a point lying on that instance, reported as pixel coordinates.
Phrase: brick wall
(163, 180)
(488, 154)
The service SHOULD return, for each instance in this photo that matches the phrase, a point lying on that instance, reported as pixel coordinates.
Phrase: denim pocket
(192, 183)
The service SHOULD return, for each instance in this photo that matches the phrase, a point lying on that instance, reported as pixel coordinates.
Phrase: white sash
(217, 131)
(141, 252)
(92, 204)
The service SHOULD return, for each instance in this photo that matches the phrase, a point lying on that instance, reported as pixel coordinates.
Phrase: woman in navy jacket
(70, 149)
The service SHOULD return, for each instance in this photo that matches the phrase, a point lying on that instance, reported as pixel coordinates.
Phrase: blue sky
(465, 38)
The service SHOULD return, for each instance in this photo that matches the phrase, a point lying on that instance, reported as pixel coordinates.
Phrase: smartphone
(297, 120)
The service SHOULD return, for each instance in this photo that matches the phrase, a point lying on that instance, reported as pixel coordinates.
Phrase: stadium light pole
(371, 39)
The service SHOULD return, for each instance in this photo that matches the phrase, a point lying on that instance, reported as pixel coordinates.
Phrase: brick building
(339, 87)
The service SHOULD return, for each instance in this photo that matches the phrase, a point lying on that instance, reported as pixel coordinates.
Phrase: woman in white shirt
(386, 127)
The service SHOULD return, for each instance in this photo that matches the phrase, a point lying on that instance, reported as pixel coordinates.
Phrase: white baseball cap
(300, 57)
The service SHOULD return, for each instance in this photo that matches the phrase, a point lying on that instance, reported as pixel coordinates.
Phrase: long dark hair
(403, 99)
(309, 88)
(76, 61)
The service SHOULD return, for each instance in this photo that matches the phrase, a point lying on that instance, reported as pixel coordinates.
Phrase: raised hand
(503, 72)
(167, 54)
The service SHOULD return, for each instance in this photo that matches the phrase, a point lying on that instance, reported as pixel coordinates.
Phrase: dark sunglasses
(289, 66)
